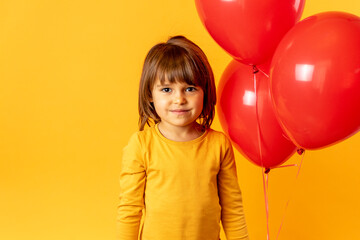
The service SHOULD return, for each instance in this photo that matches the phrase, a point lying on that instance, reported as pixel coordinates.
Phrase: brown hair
(179, 59)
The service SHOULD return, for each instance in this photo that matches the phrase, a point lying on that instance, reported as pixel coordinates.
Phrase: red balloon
(315, 79)
(249, 30)
(238, 117)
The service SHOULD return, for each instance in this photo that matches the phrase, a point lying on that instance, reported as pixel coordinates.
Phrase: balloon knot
(255, 69)
(267, 170)
(300, 151)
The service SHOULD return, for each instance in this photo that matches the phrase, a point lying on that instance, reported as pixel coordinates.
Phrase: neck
(181, 134)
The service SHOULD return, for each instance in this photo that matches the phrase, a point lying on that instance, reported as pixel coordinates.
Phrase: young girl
(178, 176)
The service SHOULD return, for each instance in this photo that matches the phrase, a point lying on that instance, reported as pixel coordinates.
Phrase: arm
(232, 212)
(132, 185)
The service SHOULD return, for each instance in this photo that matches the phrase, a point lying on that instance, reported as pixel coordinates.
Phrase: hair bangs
(176, 66)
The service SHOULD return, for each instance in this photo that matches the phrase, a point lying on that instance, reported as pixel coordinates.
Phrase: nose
(179, 98)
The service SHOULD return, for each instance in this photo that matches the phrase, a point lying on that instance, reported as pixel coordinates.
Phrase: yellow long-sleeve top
(181, 189)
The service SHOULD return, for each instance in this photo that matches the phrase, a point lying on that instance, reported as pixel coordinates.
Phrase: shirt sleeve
(232, 212)
(132, 186)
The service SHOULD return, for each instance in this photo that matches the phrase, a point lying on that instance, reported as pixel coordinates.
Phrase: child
(178, 176)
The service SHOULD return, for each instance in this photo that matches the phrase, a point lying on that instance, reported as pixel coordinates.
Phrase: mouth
(179, 111)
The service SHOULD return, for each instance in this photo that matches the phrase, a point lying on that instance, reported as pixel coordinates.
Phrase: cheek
(159, 103)
(200, 102)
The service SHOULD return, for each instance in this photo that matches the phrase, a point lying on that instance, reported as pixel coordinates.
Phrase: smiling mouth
(179, 111)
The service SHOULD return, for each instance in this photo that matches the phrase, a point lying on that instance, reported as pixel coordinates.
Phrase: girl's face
(177, 104)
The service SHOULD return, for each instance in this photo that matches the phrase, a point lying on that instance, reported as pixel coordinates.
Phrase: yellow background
(69, 72)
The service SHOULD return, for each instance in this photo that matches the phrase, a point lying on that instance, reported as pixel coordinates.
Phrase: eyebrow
(162, 85)
(170, 84)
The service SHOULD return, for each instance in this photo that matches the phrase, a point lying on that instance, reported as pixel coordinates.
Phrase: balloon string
(266, 196)
(267, 75)
(288, 201)
(256, 70)
(289, 165)
(264, 173)
(284, 135)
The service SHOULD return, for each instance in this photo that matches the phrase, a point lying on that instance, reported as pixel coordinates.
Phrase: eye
(166, 90)
(191, 89)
